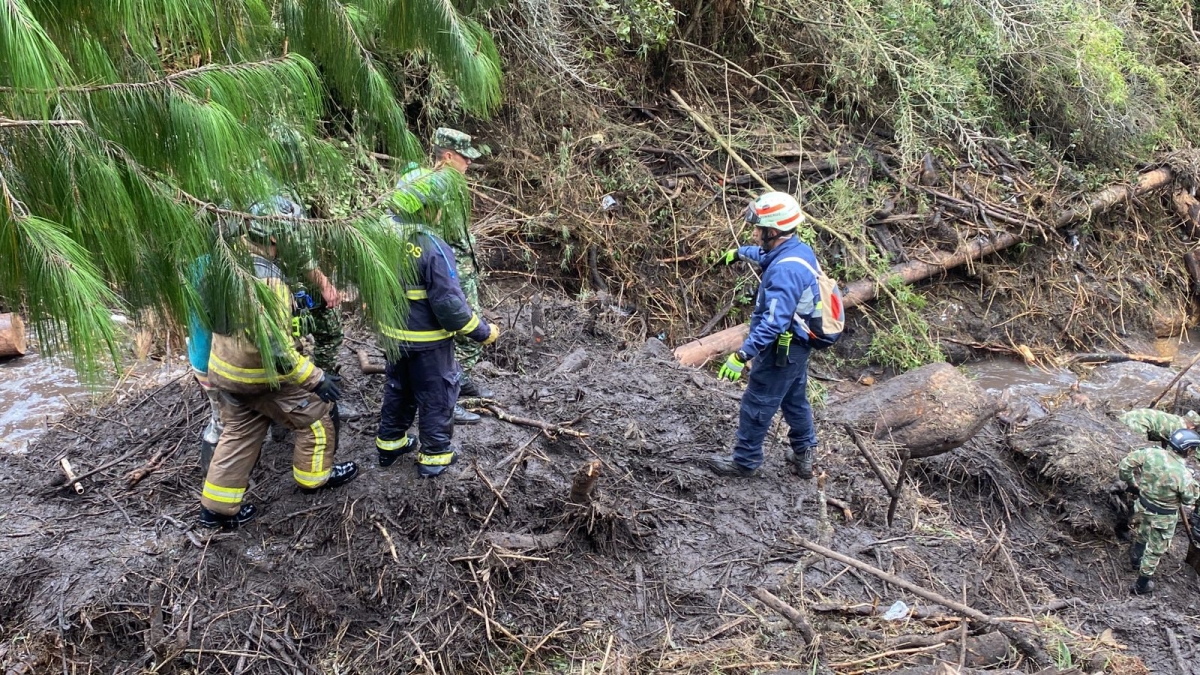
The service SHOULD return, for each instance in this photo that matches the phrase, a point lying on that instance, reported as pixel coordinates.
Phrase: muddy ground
(394, 574)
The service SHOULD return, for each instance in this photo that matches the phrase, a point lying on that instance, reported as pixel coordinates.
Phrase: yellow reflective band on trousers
(223, 495)
(391, 445)
(442, 459)
(416, 335)
(316, 477)
(471, 325)
(416, 293)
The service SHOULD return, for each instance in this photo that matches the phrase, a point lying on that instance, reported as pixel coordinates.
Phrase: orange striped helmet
(776, 210)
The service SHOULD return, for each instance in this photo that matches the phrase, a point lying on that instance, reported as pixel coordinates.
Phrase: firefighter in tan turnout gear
(303, 399)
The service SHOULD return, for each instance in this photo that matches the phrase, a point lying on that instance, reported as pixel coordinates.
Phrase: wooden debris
(368, 368)
(788, 612)
(526, 542)
(71, 477)
(550, 429)
(1031, 649)
(12, 336)
(585, 482)
(896, 494)
(1118, 357)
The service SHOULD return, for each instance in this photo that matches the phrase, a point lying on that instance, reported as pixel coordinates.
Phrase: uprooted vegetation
(492, 568)
(908, 128)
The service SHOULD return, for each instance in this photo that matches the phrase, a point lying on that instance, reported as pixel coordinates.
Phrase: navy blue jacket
(437, 309)
(788, 290)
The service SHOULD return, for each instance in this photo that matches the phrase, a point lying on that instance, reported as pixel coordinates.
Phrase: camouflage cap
(1192, 416)
(453, 139)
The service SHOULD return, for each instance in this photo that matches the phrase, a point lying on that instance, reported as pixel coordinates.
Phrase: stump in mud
(12, 336)
(930, 410)
(1074, 452)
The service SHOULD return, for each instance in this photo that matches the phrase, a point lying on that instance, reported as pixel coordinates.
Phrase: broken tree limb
(585, 482)
(1115, 194)
(1188, 209)
(500, 414)
(699, 119)
(368, 368)
(874, 464)
(791, 170)
(788, 612)
(1031, 649)
(1117, 357)
(1175, 379)
(899, 491)
(71, 477)
(699, 352)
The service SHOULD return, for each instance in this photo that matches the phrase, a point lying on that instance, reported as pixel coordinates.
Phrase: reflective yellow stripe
(392, 445)
(471, 325)
(222, 494)
(318, 459)
(302, 370)
(416, 335)
(416, 294)
(310, 480)
(442, 459)
(232, 372)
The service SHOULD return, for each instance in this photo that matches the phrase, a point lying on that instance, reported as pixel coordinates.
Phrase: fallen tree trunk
(1118, 357)
(12, 336)
(699, 352)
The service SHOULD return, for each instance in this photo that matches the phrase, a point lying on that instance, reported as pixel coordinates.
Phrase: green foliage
(641, 24)
(903, 343)
(1085, 75)
(124, 124)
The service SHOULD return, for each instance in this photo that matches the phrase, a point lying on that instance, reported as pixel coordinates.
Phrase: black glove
(1132, 490)
(327, 388)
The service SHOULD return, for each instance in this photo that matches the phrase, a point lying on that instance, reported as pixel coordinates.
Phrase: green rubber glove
(732, 369)
(727, 258)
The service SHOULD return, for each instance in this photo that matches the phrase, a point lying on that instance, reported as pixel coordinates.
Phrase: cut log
(928, 411)
(368, 368)
(12, 336)
(699, 352)
(1188, 209)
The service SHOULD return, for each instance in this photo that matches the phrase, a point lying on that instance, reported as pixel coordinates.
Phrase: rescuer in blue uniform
(778, 342)
(424, 376)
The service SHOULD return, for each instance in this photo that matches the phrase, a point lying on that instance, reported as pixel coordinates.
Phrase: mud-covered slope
(393, 574)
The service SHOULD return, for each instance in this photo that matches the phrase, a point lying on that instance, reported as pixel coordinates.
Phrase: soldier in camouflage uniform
(1163, 483)
(1156, 424)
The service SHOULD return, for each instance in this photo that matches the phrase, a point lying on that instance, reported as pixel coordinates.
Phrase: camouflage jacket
(1156, 424)
(1161, 476)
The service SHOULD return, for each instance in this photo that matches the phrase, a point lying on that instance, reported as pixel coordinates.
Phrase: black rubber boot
(389, 457)
(1135, 555)
(472, 388)
(435, 463)
(802, 462)
(725, 466)
(339, 475)
(464, 416)
(1143, 586)
(212, 519)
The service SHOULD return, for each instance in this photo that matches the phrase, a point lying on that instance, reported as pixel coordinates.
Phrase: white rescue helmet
(775, 210)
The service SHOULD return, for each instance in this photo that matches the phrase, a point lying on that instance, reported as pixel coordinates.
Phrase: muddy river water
(35, 391)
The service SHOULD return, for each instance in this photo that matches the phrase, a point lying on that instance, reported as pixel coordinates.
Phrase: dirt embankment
(489, 569)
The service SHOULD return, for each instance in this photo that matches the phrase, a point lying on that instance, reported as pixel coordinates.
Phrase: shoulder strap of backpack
(815, 272)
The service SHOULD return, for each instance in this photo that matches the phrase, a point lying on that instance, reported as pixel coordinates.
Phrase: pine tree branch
(171, 80)
(243, 215)
(6, 123)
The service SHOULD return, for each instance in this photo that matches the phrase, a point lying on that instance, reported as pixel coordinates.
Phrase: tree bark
(699, 352)
(12, 336)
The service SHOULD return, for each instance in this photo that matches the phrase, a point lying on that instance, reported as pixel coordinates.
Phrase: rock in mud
(929, 411)
(1074, 452)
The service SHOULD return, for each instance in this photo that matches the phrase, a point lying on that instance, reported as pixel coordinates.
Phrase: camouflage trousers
(1155, 532)
(468, 352)
(326, 325)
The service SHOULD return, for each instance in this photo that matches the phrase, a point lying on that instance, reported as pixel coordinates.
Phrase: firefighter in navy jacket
(424, 376)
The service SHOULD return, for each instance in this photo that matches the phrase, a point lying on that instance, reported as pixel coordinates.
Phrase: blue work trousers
(769, 389)
(427, 381)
